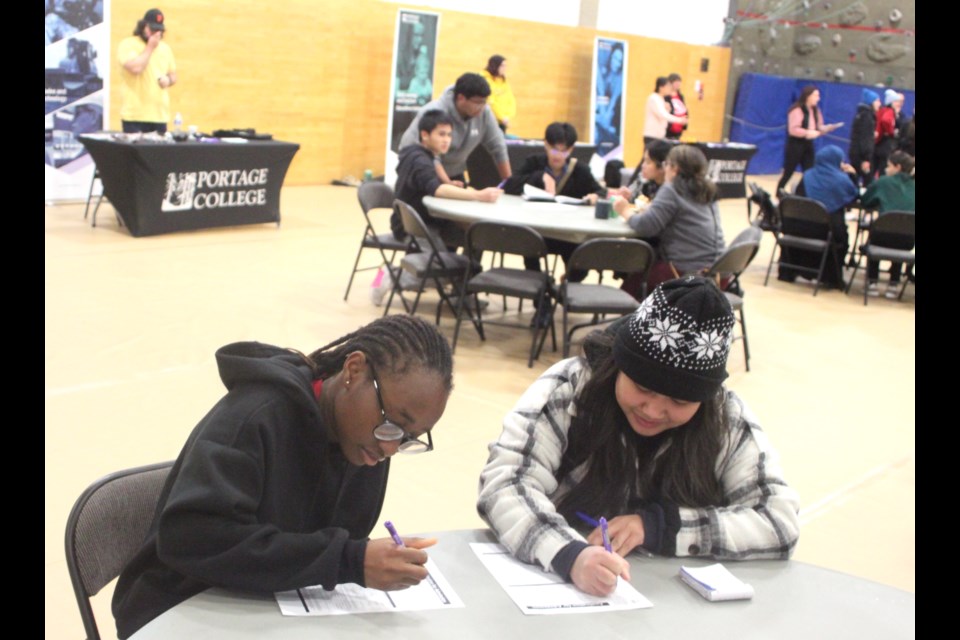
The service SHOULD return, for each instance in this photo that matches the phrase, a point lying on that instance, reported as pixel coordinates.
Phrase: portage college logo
(187, 190)
(726, 171)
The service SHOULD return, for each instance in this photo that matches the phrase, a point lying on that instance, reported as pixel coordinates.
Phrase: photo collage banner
(76, 68)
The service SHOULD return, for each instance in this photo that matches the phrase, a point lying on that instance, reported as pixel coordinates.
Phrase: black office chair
(892, 237)
(519, 240)
(427, 259)
(628, 256)
(727, 269)
(375, 195)
(106, 527)
(806, 226)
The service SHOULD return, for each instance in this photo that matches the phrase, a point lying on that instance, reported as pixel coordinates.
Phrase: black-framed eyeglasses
(388, 431)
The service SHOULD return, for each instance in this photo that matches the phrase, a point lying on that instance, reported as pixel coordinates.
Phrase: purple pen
(393, 533)
(606, 534)
(590, 521)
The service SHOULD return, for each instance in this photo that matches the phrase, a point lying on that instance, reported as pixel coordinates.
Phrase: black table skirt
(162, 188)
(727, 167)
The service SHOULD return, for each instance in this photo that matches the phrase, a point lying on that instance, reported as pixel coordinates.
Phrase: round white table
(792, 600)
(573, 223)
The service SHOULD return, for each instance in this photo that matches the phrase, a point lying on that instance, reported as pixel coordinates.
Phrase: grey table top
(574, 223)
(792, 600)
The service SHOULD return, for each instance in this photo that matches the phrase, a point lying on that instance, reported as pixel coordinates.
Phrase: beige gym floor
(131, 326)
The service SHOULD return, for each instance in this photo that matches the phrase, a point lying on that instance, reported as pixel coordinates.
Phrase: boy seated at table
(557, 173)
(417, 177)
(894, 191)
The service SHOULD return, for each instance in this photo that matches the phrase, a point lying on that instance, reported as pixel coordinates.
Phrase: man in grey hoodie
(473, 124)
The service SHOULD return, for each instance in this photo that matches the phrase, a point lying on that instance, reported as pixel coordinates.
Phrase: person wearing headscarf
(831, 183)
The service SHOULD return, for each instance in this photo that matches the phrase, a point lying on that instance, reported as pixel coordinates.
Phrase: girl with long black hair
(641, 431)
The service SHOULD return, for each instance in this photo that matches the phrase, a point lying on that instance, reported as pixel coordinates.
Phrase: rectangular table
(161, 187)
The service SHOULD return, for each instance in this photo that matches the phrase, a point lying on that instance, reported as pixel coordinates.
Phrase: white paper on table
(537, 592)
(569, 200)
(536, 194)
(433, 593)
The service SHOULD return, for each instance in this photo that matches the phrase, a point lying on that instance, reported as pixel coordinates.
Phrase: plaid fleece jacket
(519, 484)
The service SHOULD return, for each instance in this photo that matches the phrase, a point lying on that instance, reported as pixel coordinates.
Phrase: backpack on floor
(768, 216)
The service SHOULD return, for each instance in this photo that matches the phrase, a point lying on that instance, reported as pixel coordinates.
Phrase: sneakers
(380, 287)
(891, 293)
(873, 290)
(383, 283)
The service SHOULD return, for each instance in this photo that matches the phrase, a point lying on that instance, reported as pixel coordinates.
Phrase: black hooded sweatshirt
(259, 500)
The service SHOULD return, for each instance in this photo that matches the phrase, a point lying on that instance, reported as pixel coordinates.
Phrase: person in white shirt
(658, 117)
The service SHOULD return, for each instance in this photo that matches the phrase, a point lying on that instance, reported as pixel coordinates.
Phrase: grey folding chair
(805, 226)
(727, 269)
(504, 238)
(100, 197)
(375, 195)
(427, 259)
(106, 526)
(892, 237)
(93, 181)
(625, 255)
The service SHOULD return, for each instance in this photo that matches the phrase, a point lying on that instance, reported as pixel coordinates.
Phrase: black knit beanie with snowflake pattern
(676, 343)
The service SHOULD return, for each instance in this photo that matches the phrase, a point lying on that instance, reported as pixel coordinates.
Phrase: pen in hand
(606, 535)
(594, 523)
(393, 533)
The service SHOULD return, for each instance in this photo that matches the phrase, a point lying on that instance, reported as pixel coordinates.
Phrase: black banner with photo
(414, 54)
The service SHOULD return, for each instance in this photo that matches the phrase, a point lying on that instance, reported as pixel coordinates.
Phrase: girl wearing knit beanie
(641, 431)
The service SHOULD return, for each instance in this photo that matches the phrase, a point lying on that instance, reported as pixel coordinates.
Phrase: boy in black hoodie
(417, 177)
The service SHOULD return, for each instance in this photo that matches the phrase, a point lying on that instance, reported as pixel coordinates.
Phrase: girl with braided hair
(281, 483)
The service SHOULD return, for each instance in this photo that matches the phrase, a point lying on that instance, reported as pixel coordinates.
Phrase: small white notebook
(714, 582)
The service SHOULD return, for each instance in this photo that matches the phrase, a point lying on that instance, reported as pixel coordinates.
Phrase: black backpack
(768, 216)
(611, 174)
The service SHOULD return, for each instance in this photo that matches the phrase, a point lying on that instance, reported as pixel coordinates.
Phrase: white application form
(537, 592)
(433, 593)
